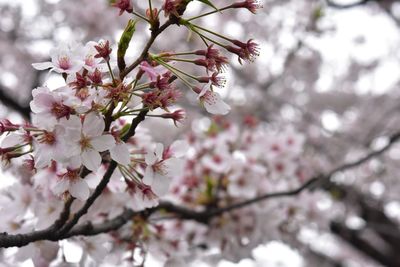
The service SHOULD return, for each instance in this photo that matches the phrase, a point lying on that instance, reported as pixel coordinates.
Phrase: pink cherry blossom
(64, 59)
(213, 102)
(87, 141)
(159, 170)
(69, 180)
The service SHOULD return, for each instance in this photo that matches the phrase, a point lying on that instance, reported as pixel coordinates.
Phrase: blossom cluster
(77, 131)
(226, 164)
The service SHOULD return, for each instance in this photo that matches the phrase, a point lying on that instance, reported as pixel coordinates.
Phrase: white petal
(160, 184)
(60, 186)
(150, 157)
(43, 157)
(103, 142)
(43, 65)
(179, 148)
(93, 125)
(174, 167)
(74, 162)
(91, 159)
(74, 122)
(148, 176)
(42, 103)
(134, 102)
(120, 153)
(79, 189)
(11, 140)
(159, 150)
(214, 104)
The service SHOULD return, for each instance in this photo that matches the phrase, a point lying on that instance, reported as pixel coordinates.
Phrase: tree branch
(11, 103)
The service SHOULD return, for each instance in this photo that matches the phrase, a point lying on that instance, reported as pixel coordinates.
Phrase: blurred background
(330, 69)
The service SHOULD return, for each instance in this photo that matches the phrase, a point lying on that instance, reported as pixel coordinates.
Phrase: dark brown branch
(354, 238)
(89, 229)
(11, 103)
(21, 240)
(89, 202)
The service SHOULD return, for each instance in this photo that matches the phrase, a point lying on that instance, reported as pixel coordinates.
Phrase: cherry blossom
(87, 141)
(213, 102)
(160, 170)
(64, 59)
(70, 181)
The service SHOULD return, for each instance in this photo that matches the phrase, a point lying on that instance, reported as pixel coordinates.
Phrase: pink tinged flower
(123, 5)
(49, 106)
(143, 196)
(177, 149)
(70, 181)
(49, 146)
(213, 102)
(88, 140)
(91, 63)
(242, 187)
(63, 60)
(159, 171)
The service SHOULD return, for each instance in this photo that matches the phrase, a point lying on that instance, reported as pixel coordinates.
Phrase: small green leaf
(207, 2)
(124, 41)
(125, 129)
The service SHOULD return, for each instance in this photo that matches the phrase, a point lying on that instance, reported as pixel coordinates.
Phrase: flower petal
(148, 176)
(103, 142)
(179, 148)
(120, 153)
(160, 184)
(12, 139)
(79, 189)
(174, 167)
(93, 125)
(43, 65)
(60, 186)
(214, 104)
(91, 159)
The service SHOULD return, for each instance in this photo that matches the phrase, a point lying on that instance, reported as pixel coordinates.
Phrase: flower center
(160, 168)
(48, 138)
(72, 174)
(64, 62)
(60, 110)
(89, 60)
(85, 143)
